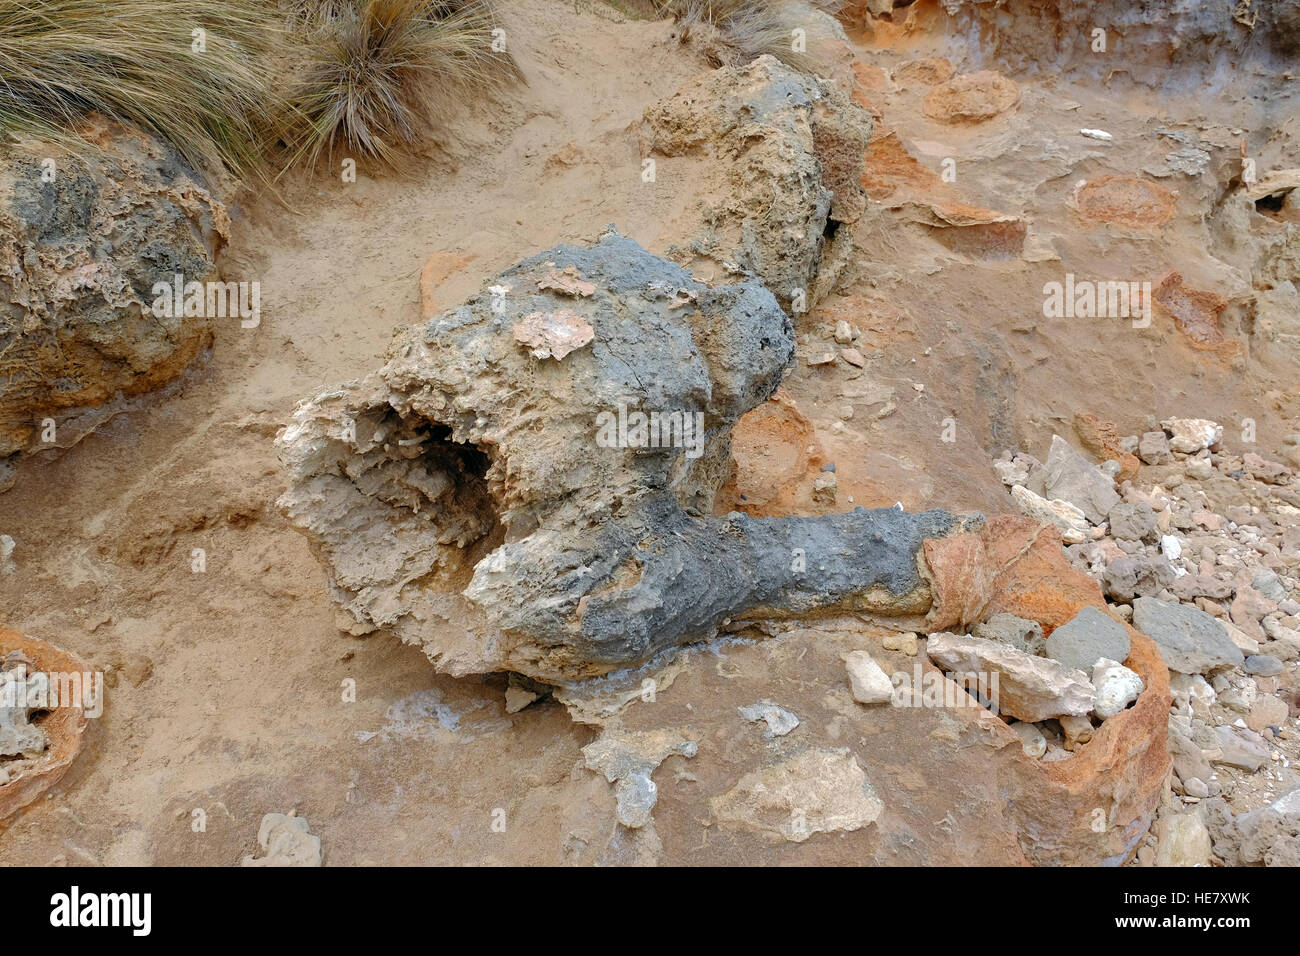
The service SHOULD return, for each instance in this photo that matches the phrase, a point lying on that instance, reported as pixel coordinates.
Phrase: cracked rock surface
(472, 478)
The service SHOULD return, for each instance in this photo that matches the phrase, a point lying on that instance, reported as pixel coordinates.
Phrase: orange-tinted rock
(778, 457)
(971, 98)
(440, 267)
(63, 726)
(895, 178)
(1125, 201)
(1195, 311)
(1101, 439)
(1115, 782)
(951, 760)
(871, 78)
(927, 72)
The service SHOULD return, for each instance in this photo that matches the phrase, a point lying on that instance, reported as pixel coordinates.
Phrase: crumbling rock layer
(786, 151)
(479, 478)
(83, 240)
(1207, 38)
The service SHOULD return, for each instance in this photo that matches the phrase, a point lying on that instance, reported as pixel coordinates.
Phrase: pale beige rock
(1065, 517)
(1028, 688)
(1032, 741)
(1190, 435)
(870, 684)
(815, 791)
(1184, 841)
(287, 842)
(907, 643)
(1267, 711)
(1078, 730)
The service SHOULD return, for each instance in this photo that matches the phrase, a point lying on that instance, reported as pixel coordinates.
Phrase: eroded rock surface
(786, 151)
(83, 240)
(563, 505)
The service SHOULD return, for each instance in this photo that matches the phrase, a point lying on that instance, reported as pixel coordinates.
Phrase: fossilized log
(464, 497)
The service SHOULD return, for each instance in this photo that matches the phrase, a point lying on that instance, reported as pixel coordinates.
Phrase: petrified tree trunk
(475, 477)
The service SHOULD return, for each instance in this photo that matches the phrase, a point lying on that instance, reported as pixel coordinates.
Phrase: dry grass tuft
(749, 28)
(134, 61)
(378, 72)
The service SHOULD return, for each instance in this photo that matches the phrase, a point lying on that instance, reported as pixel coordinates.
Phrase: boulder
(1068, 476)
(1190, 641)
(80, 255)
(785, 151)
(554, 515)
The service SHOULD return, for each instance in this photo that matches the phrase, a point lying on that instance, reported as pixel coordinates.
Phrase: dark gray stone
(1190, 641)
(1089, 635)
(1021, 634)
(1132, 521)
(1262, 665)
(1137, 575)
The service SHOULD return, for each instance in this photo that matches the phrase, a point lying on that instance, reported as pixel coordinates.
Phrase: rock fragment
(1190, 641)
(1065, 517)
(814, 791)
(1028, 688)
(1089, 635)
(627, 759)
(779, 720)
(869, 684)
(1068, 476)
(1117, 687)
(286, 841)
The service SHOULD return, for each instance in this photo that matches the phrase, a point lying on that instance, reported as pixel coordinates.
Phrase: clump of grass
(378, 72)
(134, 61)
(749, 28)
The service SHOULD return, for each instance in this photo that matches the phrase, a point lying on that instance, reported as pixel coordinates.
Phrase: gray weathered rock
(1240, 748)
(1132, 521)
(287, 841)
(627, 759)
(1015, 631)
(1190, 641)
(1262, 665)
(79, 257)
(1068, 476)
(1137, 575)
(1089, 635)
(787, 151)
(779, 720)
(1153, 448)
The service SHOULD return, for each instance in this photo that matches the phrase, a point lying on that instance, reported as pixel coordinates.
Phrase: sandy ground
(227, 687)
